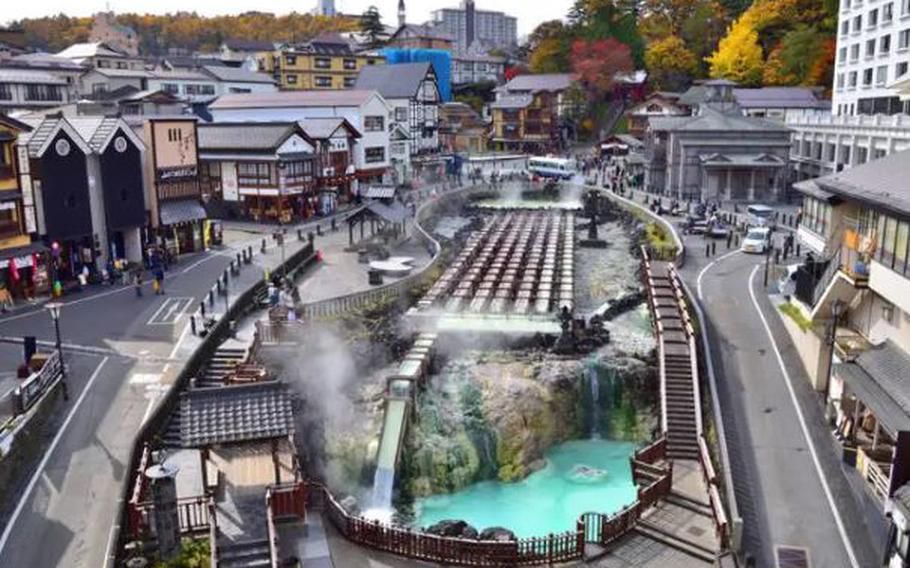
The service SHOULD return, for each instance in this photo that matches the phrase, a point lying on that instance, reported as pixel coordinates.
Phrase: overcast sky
(529, 12)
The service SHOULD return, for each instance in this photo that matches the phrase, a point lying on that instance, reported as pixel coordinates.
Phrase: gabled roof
(11, 122)
(42, 60)
(778, 97)
(880, 377)
(90, 49)
(236, 75)
(247, 136)
(325, 128)
(128, 73)
(239, 413)
(540, 82)
(302, 99)
(421, 31)
(712, 119)
(395, 81)
(881, 183)
(89, 133)
(44, 133)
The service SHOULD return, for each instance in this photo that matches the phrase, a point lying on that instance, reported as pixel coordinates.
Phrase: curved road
(778, 442)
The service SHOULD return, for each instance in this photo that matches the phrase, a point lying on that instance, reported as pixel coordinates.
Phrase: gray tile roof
(29, 76)
(322, 128)
(880, 377)
(693, 96)
(394, 81)
(880, 183)
(777, 97)
(246, 136)
(540, 82)
(711, 119)
(95, 130)
(237, 413)
(236, 74)
(293, 99)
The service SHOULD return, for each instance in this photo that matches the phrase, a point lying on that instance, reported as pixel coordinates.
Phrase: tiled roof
(293, 99)
(236, 74)
(542, 82)
(95, 130)
(880, 377)
(777, 97)
(236, 44)
(84, 50)
(238, 413)
(711, 119)
(881, 183)
(249, 136)
(394, 81)
(322, 128)
(43, 61)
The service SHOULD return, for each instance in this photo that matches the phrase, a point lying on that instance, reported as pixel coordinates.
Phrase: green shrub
(796, 315)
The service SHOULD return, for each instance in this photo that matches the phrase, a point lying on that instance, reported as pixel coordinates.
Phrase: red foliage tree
(596, 62)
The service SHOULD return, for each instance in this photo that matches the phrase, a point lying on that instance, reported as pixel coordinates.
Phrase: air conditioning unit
(327, 172)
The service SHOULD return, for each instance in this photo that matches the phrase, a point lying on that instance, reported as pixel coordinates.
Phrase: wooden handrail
(213, 534)
(272, 531)
(705, 458)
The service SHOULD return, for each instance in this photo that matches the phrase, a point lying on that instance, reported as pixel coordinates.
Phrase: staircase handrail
(834, 265)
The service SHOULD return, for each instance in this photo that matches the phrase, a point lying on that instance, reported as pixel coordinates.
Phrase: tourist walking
(137, 281)
(158, 273)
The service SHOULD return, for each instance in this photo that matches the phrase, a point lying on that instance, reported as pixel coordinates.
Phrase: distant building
(12, 42)
(412, 91)
(657, 104)
(325, 8)
(717, 154)
(367, 111)
(28, 89)
(424, 36)
(235, 52)
(528, 113)
(777, 103)
(872, 44)
(58, 66)
(101, 56)
(461, 129)
(105, 29)
(194, 86)
(467, 25)
(325, 63)
(470, 67)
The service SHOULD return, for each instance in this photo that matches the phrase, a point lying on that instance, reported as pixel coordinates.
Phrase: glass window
(900, 247)
(323, 81)
(373, 155)
(322, 63)
(374, 123)
(884, 44)
(870, 47)
(903, 39)
(887, 13)
(886, 254)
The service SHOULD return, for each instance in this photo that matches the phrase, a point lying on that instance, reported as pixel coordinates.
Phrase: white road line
(183, 334)
(38, 473)
(708, 267)
(108, 557)
(802, 423)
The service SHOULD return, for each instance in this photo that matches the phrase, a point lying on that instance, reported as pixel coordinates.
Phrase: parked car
(786, 286)
(760, 216)
(757, 240)
(717, 229)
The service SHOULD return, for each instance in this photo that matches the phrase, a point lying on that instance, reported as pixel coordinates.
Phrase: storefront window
(900, 247)
(253, 173)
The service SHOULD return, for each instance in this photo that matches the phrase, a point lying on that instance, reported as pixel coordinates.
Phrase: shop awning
(880, 378)
(10, 195)
(183, 211)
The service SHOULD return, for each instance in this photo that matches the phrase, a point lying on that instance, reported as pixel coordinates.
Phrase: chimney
(401, 14)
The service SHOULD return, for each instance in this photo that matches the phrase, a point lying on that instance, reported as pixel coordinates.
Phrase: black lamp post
(54, 309)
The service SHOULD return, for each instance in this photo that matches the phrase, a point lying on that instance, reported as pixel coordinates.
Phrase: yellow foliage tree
(738, 56)
(669, 63)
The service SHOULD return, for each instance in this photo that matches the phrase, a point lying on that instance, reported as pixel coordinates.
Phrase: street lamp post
(837, 307)
(54, 309)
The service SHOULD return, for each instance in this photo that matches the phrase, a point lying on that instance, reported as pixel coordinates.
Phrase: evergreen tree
(371, 26)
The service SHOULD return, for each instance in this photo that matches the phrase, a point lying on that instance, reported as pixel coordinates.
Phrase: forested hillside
(186, 30)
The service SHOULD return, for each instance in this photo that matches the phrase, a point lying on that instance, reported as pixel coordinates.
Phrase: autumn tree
(596, 62)
(671, 66)
(792, 60)
(738, 57)
(603, 19)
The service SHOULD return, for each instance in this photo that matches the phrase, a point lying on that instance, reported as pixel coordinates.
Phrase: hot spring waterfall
(594, 384)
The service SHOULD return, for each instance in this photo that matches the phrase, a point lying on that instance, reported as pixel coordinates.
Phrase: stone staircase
(248, 554)
(682, 435)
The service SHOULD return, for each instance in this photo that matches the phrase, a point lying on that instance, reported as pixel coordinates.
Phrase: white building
(873, 52)
(367, 111)
(101, 56)
(470, 67)
(188, 85)
(26, 89)
(467, 24)
(822, 145)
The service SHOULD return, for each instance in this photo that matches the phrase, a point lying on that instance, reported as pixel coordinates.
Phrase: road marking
(108, 557)
(802, 423)
(47, 455)
(708, 267)
(144, 378)
(170, 311)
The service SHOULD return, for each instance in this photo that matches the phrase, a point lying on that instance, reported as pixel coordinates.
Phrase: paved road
(777, 451)
(65, 514)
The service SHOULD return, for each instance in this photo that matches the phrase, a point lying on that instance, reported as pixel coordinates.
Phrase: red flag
(13, 270)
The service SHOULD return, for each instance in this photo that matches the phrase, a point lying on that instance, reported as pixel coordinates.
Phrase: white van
(760, 216)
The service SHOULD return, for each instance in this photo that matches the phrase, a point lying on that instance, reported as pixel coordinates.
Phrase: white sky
(529, 12)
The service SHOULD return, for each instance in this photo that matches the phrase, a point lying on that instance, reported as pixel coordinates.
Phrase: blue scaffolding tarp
(441, 60)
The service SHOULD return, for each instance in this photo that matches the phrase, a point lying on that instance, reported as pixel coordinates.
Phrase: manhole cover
(792, 557)
(695, 531)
